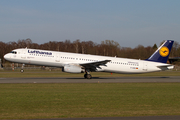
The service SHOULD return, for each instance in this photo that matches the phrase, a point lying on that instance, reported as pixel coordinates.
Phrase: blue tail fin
(162, 53)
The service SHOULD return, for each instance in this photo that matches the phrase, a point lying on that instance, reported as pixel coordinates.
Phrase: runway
(125, 118)
(171, 79)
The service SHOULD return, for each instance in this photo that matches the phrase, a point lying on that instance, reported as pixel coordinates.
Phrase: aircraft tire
(21, 70)
(88, 76)
(85, 75)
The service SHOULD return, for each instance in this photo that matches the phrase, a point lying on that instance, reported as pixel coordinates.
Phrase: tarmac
(171, 79)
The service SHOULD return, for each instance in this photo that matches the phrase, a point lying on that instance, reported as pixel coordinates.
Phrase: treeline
(106, 48)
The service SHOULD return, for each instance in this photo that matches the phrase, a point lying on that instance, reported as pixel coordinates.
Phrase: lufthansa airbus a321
(78, 63)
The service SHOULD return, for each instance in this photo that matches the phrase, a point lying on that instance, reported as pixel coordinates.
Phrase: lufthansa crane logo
(164, 51)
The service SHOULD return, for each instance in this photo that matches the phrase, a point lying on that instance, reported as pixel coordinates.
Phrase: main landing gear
(87, 75)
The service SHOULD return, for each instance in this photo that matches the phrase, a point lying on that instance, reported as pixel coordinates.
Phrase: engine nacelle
(72, 69)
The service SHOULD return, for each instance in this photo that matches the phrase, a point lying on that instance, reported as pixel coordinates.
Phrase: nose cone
(6, 56)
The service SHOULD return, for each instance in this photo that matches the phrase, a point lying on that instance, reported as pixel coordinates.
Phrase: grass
(45, 73)
(33, 101)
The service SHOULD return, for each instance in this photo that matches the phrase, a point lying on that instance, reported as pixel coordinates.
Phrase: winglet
(162, 53)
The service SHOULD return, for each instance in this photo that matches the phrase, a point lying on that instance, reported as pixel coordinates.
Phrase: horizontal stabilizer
(166, 67)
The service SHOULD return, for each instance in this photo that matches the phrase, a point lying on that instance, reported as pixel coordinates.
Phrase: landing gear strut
(22, 70)
(87, 75)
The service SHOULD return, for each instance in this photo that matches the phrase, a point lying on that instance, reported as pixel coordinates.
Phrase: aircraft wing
(93, 65)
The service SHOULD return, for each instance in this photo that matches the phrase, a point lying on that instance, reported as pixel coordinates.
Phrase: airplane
(84, 63)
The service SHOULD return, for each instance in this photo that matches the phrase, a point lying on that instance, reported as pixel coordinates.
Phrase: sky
(128, 22)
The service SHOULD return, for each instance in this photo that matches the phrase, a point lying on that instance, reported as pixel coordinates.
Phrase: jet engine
(72, 69)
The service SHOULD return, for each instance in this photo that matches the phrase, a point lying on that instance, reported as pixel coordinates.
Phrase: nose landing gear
(22, 70)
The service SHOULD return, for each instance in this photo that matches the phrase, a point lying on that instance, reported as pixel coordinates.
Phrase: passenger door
(145, 66)
(57, 57)
(23, 55)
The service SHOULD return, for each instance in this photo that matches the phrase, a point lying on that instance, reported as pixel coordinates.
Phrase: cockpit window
(13, 52)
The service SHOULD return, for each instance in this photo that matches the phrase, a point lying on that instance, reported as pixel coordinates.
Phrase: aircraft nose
(6, 56)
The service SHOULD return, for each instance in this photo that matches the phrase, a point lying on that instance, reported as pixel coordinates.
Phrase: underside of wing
(94, 65)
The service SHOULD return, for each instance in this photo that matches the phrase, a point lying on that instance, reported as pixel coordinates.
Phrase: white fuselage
(60, 59)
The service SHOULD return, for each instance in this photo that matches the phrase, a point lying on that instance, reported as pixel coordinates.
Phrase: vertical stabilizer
(162, 53)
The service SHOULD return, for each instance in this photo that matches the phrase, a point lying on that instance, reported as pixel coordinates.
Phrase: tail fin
(162, 53)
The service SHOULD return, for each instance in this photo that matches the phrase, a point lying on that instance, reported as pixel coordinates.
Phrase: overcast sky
(128, 22)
